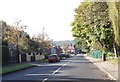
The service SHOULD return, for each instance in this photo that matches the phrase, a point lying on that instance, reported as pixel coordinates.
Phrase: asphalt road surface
(74, 69)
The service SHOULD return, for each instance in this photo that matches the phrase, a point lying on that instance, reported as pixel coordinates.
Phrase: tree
(44, 43)
(114, 14)
(92, 24)
(23, 41)
(13, 35)
(18, 37)
(81, 44)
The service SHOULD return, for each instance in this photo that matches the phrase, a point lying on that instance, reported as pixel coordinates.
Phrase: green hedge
(5, 55)
(46, 55)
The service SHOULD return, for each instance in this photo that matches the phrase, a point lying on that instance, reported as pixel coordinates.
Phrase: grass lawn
(11, 68)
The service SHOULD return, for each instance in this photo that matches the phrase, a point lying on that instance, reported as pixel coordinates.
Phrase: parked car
(53, 58)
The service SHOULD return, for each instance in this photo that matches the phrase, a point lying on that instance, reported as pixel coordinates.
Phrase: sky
(54, 15)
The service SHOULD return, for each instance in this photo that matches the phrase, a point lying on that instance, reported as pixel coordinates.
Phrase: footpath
(107, 67)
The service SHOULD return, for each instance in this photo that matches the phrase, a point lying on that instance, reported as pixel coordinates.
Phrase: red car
(53, 58)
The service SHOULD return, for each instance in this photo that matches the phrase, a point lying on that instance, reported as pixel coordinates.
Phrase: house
(71, 49)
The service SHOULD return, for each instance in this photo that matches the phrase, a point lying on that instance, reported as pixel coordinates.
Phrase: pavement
(107, 67)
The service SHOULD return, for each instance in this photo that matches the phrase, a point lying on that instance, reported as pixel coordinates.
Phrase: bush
(5, 43)
(110, 54)
(46, 56)
(90, 54)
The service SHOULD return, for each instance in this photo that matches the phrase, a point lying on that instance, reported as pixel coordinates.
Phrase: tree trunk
(115, 51)
(118, 50)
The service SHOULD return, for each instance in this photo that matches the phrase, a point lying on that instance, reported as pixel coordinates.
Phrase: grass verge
(12, 68)
(42, 61)
(46, 60)
(113, 60)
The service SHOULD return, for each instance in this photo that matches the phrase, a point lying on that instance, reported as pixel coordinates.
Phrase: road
(76, 68)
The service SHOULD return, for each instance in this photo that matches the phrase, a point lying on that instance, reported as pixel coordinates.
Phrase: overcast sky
(54, 15)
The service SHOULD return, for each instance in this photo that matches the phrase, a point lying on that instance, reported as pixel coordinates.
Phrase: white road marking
(64, 65)
(44, 80)
(48, 64)
(36, 74)
(113, 78)
(56, 70)
(60, 67)
(69, 62)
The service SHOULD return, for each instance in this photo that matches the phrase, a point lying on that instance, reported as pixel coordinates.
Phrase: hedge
(5, 55)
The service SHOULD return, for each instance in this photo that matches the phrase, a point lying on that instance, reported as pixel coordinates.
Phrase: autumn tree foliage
(18, 37)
